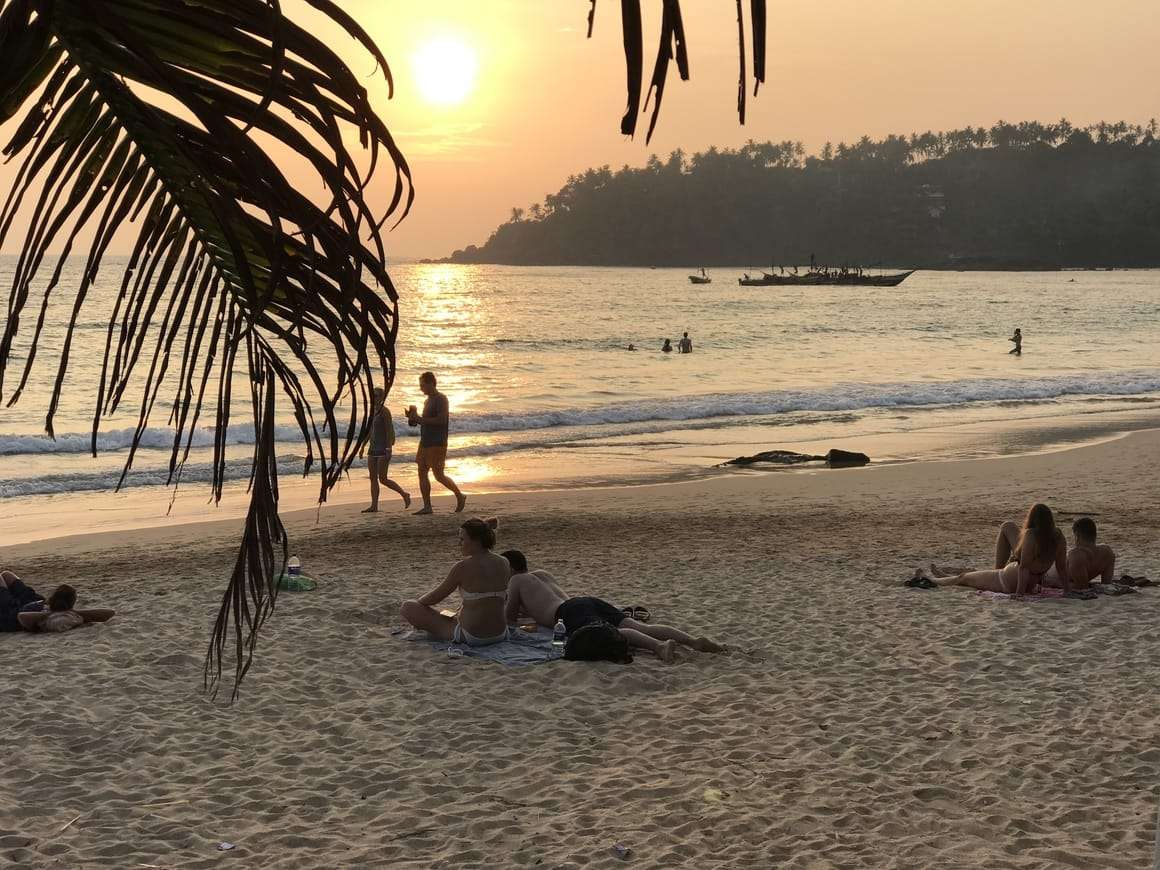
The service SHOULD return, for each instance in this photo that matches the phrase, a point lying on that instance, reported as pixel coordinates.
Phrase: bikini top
(479, 596)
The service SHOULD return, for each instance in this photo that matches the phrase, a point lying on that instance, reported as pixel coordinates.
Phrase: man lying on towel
(537, 595)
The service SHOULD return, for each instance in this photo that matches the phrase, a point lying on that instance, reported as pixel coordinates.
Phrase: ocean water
(544, 393)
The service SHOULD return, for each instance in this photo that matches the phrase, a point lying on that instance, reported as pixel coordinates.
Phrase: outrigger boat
(826, 278)
(700, 279)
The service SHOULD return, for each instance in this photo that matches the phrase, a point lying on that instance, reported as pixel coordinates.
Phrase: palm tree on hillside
(165, 114)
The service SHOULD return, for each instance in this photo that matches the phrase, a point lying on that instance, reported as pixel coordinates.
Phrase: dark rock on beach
(834, 458)
(778, 457)
(845, 458)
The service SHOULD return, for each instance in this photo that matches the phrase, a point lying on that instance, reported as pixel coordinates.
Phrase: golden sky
(545, 102)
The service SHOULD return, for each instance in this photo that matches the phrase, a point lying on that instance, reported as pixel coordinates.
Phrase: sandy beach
(855, 723)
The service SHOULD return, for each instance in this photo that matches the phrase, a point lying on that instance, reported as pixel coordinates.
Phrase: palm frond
(232, 266)
(233, 270)
(672, 44)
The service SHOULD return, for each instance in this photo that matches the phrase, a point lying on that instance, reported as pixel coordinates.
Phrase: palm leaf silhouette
(232, 268)
(154, 113)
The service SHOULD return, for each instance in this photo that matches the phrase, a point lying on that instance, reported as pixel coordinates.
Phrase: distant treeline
(1026, 195)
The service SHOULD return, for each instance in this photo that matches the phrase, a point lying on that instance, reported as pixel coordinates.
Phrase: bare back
(1086, 562)
(484, 576)
(535, 594)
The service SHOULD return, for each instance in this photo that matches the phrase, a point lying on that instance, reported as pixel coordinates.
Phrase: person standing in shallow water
(379, 453)
(685, 345)
(1018, 339)
(433, 425)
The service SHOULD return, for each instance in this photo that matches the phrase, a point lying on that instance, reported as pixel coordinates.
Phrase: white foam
(647, 415)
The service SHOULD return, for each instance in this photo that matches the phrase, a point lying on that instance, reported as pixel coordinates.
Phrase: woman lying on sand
(481, 578)
(1039, 546)
(60, 615)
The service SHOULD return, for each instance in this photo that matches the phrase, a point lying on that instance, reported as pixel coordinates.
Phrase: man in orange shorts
(433, 424)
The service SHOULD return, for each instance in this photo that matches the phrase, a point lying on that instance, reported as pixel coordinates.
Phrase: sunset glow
(445, 69)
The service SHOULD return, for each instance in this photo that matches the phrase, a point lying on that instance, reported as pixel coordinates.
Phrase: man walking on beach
(433, 424)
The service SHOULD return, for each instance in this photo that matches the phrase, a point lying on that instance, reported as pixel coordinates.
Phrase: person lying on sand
(536, 594)
(481, 578)
(60, 615)
(1039, 546)
(15, 596)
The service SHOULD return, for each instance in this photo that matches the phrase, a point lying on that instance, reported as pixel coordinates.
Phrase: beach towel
(1114, 589)
(522, 647)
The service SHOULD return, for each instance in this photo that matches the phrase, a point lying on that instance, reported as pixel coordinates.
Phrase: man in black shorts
(537, 595)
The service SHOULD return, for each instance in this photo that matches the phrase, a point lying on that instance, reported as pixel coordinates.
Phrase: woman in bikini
(481, 578)
(1040, 545)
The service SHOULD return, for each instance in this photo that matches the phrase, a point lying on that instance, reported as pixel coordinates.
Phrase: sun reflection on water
(448, 332)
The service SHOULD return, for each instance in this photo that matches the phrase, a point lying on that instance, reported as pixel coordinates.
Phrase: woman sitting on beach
(1040, 545)
(481, 577)
(60, 615)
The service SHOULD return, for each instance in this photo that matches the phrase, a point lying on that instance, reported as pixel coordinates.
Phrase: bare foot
(460, 501)
(705, 645)
(423, 511)
(373, 509)
(667, 652)
(406, 500)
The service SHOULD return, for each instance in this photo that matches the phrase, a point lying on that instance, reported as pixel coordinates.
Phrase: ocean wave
(650, 414)
(106, 479)
(845, 397)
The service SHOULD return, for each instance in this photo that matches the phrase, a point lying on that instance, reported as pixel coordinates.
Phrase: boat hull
(813, 279)
(697, 279)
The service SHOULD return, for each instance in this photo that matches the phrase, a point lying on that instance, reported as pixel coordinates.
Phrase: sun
(444, 69)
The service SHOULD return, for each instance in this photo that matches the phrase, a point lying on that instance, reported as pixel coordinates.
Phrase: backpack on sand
(597, 642)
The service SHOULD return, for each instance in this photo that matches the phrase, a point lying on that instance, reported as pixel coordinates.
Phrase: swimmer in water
(1018, 339)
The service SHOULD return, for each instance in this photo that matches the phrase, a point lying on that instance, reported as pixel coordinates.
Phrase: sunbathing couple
(1037, 555)
(498, 590)
(22, 608)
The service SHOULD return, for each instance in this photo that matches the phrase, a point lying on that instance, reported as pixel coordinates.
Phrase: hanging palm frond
(230, 258)
(672, 44)
(149, 113)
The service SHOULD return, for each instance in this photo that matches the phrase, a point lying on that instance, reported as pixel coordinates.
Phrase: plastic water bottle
(294, 566)
(559, 634)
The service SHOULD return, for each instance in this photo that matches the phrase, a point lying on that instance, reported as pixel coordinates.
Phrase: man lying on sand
(22, 608)
(537, 595)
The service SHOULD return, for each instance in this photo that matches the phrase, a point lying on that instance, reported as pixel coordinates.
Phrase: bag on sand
(597, 642)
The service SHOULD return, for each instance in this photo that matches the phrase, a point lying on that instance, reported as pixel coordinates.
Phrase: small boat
(700, 279)
(826, 278)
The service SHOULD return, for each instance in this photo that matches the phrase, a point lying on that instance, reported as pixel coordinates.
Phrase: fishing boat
(700, 279)
(826, 278)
